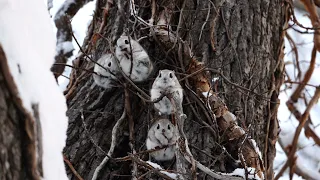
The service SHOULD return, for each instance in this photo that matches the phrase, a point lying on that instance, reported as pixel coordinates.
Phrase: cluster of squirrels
(136, 64)
(133, 59)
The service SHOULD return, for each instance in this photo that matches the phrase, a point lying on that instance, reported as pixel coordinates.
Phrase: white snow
(157, 166)
(206, 94)
(256, 147)
(241, 172)
(65, 47)
(28, 40)
(80, 23)
(67, 4)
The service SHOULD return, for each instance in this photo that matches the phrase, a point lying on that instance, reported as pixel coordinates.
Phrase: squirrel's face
(166, 78)
(124, 44)
(165, 128)
(111, 64)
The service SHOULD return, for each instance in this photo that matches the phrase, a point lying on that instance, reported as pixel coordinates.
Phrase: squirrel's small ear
(173, 71)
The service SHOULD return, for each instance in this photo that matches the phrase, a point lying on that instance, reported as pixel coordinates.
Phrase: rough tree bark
(241, 39)
(21, 153)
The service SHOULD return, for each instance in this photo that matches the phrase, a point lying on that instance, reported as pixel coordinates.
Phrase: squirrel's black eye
(126, 41)
(160, 75)
(158, 127)
(109, 64)
(170, 74)
(168, 126)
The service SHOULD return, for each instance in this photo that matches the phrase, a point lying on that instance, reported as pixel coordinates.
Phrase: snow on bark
(27, 38)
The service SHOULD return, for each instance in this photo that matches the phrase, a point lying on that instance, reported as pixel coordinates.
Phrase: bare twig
(72, 168)
(108, 4)
(183, 148)
(95, 62)
(308, 131)
(127, 105)
(295, 50)
(86, 130)
(83, 69)
(150, 101)
(296, 94)
(291, 159)
(300, 83)
(205, 22)
(112, 146)
(131, 82)
(298, 170)
(148, 166)
(312, 9)
(219, 72)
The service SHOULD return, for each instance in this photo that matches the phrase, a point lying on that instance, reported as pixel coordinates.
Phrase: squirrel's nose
(163, 130)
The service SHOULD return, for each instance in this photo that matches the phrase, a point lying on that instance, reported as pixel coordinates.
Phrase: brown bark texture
(241, 41)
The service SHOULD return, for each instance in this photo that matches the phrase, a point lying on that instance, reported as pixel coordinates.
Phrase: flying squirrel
(166, 83)
(162, 133)
(133, 59)
(107, 73)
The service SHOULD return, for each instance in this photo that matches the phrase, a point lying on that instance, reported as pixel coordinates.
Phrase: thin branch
(148, 166)
(290, 162)
(90, 137)
(83, 69)
(109, 3)
(308, 130)
(312, 9)
(219, 72)
(298, 170)
(183, 147)
(150, 101)
(127, 105)
(296, 94)
(112, 146)
(95, 62)
(212, 173)
(300, 83)
(295, 50)
(205, 22)
(72, 168)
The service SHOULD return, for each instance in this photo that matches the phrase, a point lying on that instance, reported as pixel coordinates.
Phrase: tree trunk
(21, 154)
(242, 40)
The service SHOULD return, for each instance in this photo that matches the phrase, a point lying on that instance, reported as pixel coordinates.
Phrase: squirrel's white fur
(107, 77)
(166, 83)
(131, 53)
(162, 133)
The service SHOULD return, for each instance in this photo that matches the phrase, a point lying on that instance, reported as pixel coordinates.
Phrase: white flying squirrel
(107, 73)
(134, 60)
(166, 83)
(162, 133)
